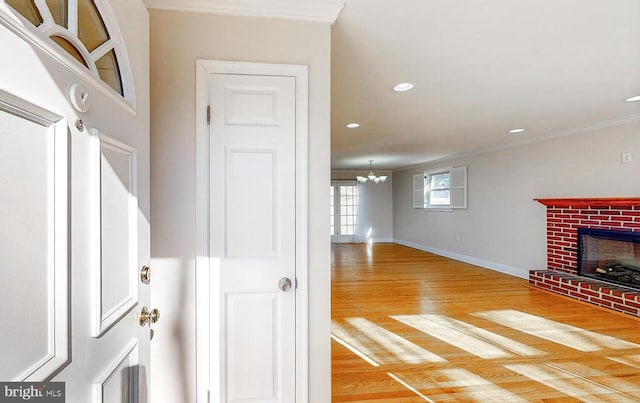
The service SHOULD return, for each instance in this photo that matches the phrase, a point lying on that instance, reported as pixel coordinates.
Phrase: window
(348, 212)
(443, 189)
(332, 206)
(79, 29)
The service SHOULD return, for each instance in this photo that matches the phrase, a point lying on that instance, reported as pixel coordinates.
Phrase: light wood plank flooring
(409, 326)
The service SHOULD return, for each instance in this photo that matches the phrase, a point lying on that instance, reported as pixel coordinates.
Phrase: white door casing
(252, 231)
(73, 234)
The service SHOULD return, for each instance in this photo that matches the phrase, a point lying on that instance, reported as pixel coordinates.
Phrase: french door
(344, 211)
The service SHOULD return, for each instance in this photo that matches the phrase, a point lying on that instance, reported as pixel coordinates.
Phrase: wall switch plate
(626, 157)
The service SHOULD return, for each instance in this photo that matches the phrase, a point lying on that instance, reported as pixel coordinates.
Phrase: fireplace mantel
(592, 202)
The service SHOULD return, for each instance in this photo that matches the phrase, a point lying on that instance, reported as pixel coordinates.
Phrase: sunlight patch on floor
(453, 336)
(562, 381)
(404, 350)
(556, 332)
(411, 388)
(630, 360)
(461, 383)
(595, 375)
(493, 338)
(353, 344)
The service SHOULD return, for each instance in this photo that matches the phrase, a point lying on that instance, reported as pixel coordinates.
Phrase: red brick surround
(564, 217)
(589, 290)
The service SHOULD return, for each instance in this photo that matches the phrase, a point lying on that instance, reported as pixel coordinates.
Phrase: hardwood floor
(409, 326)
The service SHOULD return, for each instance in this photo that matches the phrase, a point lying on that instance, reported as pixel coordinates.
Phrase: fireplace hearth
(610, 255)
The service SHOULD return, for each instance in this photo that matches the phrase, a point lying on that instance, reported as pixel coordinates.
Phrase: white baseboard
(499, 267)
(373, 240)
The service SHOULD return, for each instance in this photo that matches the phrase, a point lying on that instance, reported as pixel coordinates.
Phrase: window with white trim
(83, 30)
(442, 189)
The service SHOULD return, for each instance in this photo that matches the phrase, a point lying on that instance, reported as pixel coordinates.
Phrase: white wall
(503, 228)
(177, 39)
(377, 202)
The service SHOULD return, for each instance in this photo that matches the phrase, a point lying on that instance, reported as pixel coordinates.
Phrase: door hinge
(208, 114)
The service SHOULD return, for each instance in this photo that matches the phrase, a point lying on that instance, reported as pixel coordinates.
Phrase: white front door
(253, 233)
(73, 235)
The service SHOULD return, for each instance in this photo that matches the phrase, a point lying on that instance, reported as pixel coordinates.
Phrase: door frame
(207, 308)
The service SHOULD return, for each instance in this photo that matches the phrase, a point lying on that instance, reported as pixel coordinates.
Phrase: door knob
(147, 316)
(284, 284)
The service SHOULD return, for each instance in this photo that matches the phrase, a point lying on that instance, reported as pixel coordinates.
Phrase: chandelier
(371, 177)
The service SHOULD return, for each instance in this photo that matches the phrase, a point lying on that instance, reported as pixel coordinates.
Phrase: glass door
(343, 211)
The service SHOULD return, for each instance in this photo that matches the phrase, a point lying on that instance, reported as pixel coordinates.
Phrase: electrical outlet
(626, 157)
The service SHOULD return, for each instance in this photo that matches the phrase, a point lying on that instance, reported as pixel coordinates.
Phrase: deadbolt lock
(147, 316)
(145, 274)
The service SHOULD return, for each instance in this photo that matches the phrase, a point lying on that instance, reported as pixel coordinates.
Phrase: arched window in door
(81, 29)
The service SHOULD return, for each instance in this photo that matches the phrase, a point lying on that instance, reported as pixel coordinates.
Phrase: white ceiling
(481, 67)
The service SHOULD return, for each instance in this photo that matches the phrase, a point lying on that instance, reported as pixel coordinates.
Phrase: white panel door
(253, 232)
(73, 232)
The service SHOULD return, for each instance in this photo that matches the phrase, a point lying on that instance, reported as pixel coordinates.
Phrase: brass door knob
(147, 316)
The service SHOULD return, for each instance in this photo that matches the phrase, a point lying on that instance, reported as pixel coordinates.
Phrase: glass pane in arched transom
(70, 48)
(78, 27)
(59, 11)
(91, 29)
(28, 9)
(109, 72)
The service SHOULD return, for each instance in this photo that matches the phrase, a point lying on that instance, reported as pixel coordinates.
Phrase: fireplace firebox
(610, 255)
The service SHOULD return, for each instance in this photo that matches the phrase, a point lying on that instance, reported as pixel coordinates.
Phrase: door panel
(119, 381)
(252, 105)
(117, 288)
(252, 208)
(33, 240)
(251, 358)
(253, 232)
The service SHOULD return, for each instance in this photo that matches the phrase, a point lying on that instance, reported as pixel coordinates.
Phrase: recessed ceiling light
(403, 87)
(633, 99)
(514, 131)
(353, 125)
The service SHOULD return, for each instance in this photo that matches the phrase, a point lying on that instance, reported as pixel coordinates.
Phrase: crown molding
(325, 11)
(624, 120)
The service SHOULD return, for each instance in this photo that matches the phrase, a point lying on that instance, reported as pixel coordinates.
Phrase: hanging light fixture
(371, 177)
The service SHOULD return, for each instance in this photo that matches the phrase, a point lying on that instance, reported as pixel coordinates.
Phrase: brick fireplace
(564, 217)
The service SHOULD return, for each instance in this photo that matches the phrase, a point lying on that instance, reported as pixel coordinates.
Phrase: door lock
(145, 274)
(149, 317)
